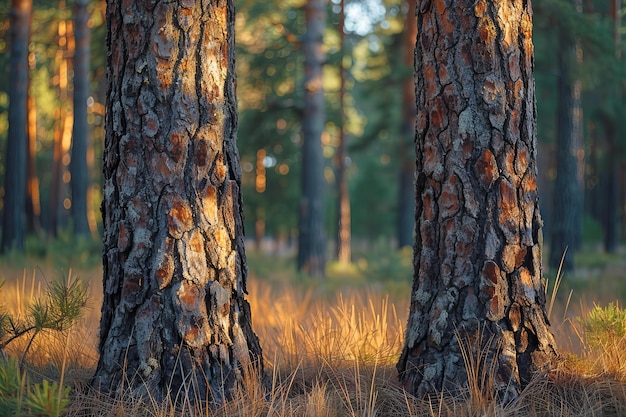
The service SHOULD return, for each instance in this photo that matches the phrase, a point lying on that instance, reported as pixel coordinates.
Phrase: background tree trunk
(311, 239)
(62, 137)
(477, 286)
(14, 222)
(406, 189)
(33, 204)
(344, 250)
(568, 194)
(174, 318)
(80, 133)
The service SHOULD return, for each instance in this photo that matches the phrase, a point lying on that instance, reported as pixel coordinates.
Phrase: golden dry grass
(328, 356)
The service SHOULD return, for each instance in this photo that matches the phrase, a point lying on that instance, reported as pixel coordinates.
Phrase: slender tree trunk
(33, 204)
(344, 252)
(406, 191)
(174, 318)
(477, 286)
(80, 138)
(568, 194)
(312, 240)
(59, 202)
(14, 222)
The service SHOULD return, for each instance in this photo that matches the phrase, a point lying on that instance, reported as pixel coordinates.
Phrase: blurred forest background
(367, 133)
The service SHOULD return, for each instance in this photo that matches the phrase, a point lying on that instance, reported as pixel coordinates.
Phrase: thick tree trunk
(80, 132)
(13, 221)
(174, 318)
(311, 239)
(477, 288)
(406, 189)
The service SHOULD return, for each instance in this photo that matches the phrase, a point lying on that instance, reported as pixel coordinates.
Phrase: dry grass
(330, 356)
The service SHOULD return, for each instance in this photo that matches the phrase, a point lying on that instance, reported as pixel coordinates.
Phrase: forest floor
(331, 345)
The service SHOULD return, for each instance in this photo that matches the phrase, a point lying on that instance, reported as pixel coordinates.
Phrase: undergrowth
(328, 353)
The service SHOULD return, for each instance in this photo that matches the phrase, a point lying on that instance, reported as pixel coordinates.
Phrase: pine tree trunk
(13, 221)
(33, 204)
(567, 220)
(80, 132)
(311, 238)
(174, 318)
(406, 191)
(62, 136)
(477, 286)
(344, 250)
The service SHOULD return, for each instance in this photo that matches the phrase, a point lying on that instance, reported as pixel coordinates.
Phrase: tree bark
(80, 133)
(477, 286)
(13, 221)
(311, 239)
(406, 190)
(174, 318)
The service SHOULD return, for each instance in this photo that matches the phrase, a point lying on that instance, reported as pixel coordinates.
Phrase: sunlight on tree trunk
(477, 286)
(175, 322)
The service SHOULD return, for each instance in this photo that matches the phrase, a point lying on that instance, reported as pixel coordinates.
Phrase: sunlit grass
(330, 350)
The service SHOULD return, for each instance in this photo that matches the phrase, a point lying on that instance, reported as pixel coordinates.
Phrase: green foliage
(47, 399)
(605, 327)
(17, 398)
(11, 387)
(383, 264)
(62, 305)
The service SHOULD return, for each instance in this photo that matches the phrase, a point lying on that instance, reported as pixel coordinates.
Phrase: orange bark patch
(191, 334)
(196, 243)
(487, 168)
(220, 169)
(486, 30)
(527, 283)
(165, 271)
(515, 317)
(180, 218)
(529, 185)
(480, 8)
(491, 272)
(513, 257)
(446, 25)
(164, 75)
(190, 296)
(176, 146)
(209, 204)
(521, 159)
(508, 198)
